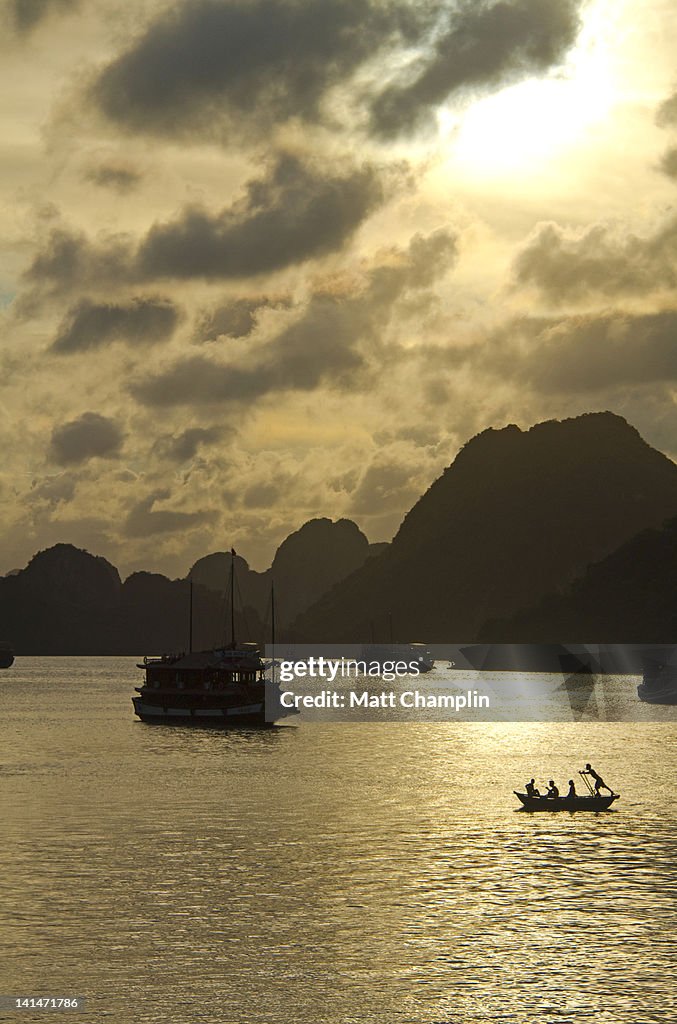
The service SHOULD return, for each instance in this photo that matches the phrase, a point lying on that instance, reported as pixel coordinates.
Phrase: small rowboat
(566, 803)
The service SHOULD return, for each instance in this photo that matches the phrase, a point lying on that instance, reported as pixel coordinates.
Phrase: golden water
(326, 874)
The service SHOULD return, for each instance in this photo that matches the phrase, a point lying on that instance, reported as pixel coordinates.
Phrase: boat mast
(272, 623)
(272, 614)
(232, 598)
(190, 620)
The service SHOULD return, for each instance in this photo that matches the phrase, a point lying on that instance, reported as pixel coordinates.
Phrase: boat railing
(162, 659)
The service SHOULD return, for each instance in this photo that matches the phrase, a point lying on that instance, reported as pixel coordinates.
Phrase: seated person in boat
(599, 781)
(572, 789)
(553, 791)
(531, 788)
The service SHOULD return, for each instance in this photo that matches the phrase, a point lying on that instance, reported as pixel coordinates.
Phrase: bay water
(327, 873)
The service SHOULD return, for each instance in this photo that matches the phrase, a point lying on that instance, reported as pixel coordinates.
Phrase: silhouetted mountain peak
(71, 572)
(307, 564)
(601, 429)
(566, 457)
(310, 540)
(517, 515)
(313, 559)
(213, 571)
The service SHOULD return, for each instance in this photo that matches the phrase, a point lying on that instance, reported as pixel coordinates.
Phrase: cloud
(667, 112)
(602, 260)
(668, 163)
(325, 345)
(249, 63)
(69, 262)
(666, 117)
(55, 490)
(319, 347)
(142, 321)
(577, 354)
(294, 213)
(84, 438)
(212, 69)
(237, 318)
(384, 483)
(484, 44)
(27, 14)
(596, 353)
(184, 446)
(120, 178)
(261, 495)
(144, 520)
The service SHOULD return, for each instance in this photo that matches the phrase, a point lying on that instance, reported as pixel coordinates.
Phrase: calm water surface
(327, 874)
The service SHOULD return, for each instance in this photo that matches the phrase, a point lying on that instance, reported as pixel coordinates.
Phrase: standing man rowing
(599, 781)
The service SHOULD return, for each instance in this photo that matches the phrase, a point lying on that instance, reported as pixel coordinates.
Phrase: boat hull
(658, 695)
(211, 718)
(565, 803)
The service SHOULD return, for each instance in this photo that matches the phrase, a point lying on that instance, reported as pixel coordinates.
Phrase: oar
(587, 782)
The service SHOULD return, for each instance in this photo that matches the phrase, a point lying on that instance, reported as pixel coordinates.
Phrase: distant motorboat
(659, 683)
(566, 803)
(411, 653)
(6, 654)
(569, 659)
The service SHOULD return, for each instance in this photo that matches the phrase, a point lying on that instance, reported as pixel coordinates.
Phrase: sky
(267, 260)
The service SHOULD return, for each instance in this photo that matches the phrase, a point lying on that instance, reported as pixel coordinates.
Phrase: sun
(525, 127)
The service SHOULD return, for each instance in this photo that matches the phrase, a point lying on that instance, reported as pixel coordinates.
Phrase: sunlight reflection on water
(328, 873)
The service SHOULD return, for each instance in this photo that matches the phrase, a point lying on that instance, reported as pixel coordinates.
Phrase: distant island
(566, 531)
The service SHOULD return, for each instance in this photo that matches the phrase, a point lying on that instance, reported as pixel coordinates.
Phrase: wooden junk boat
(566, 803)
(221, 688)
(224, 687)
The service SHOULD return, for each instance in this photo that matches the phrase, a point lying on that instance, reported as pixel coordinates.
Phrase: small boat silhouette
(566, 803)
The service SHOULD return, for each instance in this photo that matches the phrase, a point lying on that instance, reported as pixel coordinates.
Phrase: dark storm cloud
(84, 438)
(27, 14)
(484, 44)
(55, 490)
(603, 260)
(326, 345)
(427, 258)
(118, 177)
(237, 318)
(261, 495)
(668, 163)
(318, 347)
(667, 112)
(209, 68)
(142, 321)
(184, 446)
(144, 520)
(576, 354)
(254, 63)
(666, 117)
(68, 261)
(292, 214)
(599, 352)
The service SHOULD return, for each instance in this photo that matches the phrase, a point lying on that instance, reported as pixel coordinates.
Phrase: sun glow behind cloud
(577, 146)
(524, 128)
